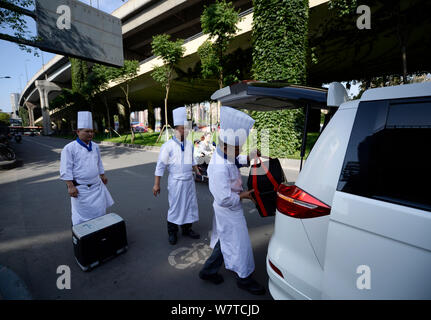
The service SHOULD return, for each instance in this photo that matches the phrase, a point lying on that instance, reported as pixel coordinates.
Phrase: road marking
(43, 144)
(136, 174)
(186, 257)
(38, 240)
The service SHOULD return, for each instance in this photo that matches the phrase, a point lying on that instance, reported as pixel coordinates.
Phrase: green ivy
(280, 53)
(343, 7)
(23, 114)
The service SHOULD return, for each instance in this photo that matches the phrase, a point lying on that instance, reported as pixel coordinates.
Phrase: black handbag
(265, 185)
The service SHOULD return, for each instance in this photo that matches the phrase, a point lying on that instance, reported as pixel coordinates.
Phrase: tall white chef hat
(85, 120)
(180, 116)
(235, 126)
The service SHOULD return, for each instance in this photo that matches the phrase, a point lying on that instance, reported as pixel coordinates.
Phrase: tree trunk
(129, 108)
(105, 101)
(151, 116)
(220, 85)
(166, 112)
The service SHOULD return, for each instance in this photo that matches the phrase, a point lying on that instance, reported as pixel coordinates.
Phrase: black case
(265, 186)
(98, 239)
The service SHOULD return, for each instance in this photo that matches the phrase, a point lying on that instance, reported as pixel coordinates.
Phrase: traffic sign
(72, 28)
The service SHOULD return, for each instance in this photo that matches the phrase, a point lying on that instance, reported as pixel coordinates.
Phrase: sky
(21, 66)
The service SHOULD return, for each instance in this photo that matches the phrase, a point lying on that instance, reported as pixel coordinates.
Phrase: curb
(292, 164)
(12, 287)
(286, 163)
(6, 165)
(128, 145)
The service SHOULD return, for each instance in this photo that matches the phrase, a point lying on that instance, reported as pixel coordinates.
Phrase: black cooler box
(264, 178)
(99, 239)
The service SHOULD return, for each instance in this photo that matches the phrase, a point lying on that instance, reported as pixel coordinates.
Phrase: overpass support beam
(45, 87)
(30, 106)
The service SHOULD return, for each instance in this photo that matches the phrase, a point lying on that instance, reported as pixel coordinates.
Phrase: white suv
(357, 222)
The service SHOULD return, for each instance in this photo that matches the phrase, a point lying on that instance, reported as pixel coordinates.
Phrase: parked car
(360, 206)
(357, 222)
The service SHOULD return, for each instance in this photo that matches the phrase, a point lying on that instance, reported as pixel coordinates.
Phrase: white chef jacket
(85, 167)
(229, 224)
(183, 205)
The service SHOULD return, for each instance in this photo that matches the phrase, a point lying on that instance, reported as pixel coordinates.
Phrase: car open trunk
(271, 96)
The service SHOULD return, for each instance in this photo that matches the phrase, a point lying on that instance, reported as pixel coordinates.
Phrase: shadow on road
(35, 234)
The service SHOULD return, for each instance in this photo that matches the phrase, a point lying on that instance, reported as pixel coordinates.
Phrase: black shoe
(214, 278)
(251, 286)
(173, 238)
(190, 233)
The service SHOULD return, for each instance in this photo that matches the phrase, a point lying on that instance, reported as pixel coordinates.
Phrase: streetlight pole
(20, 83)
(25, 66)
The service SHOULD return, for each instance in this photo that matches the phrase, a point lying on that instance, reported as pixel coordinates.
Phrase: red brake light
(294, 202)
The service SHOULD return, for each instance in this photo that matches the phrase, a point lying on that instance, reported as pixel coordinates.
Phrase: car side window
(388, 153)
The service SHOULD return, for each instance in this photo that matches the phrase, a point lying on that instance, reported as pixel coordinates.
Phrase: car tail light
(294, 202)
(277, 271)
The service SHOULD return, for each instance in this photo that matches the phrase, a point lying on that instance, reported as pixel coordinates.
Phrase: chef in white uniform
(230, 239)
(82, 169)
(176, 155)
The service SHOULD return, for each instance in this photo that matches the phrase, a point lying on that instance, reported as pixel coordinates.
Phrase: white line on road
(136, 174)
(28, 242)
(43, 144)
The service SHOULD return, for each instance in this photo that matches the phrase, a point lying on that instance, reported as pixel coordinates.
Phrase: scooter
(17, 137)
(202, 160)
(6, 152)
(202, 166)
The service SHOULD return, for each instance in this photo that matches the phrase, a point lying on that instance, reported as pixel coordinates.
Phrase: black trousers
(173, 228)
(214, 262)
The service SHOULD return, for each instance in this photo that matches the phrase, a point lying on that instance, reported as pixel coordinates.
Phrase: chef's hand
(246, 195)
(73, 192)
(104, 179)
(253, 154)
(156, 190)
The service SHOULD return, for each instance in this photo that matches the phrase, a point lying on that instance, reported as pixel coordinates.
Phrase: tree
(279, 54)
(219, 21)
(123, 76)
(4, 117)
(170, 52)
(15, 21)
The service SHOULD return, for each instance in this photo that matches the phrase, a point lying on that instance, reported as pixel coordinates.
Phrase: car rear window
(388, 156)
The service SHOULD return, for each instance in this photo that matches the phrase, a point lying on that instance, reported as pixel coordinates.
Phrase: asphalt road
(35, 232)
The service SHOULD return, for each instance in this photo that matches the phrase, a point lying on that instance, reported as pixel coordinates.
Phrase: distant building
(14, 102)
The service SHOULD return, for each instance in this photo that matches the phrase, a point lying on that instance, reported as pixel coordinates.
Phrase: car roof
(398, 92)
(268, 96)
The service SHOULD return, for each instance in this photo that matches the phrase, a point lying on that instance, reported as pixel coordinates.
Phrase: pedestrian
(176, 155)
(230, 240)
(197, 154)
(206, 147)
(82, 169)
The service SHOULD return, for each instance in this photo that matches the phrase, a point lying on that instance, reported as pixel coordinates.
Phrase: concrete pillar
(30, 106)
(45, 87)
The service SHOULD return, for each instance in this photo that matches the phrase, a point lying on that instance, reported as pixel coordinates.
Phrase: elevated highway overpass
(341, 51)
